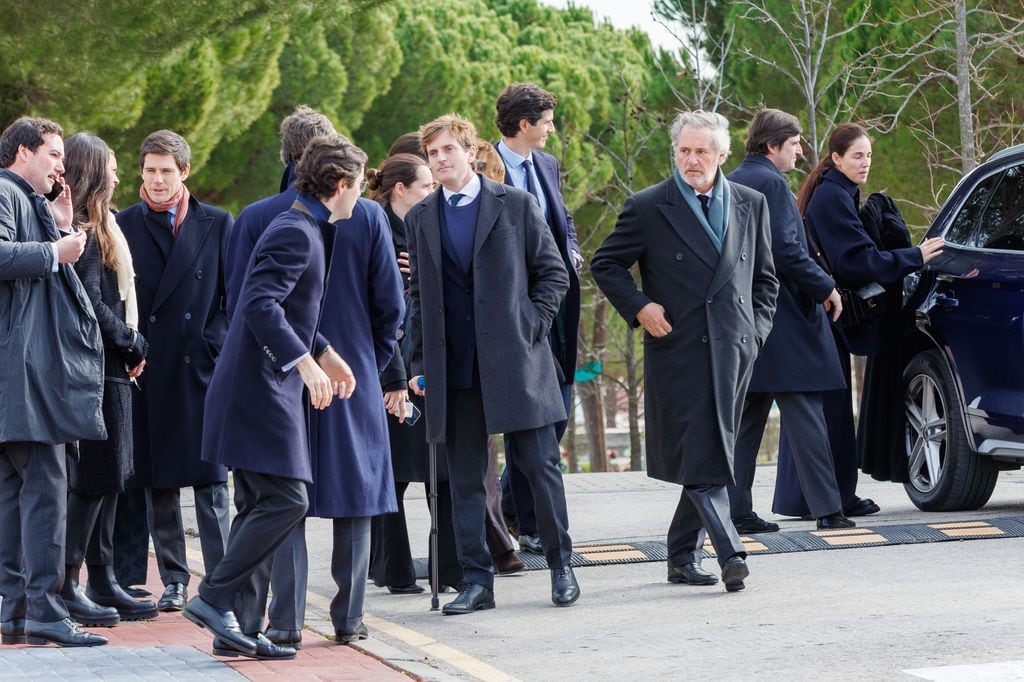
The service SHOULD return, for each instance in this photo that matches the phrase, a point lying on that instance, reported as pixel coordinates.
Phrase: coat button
(679, 256)
(743, 339)
(742, 300)
(152, 318)
(711, 300)
(187, 359)
(469, 317)
(743, 256)
(199, 274)
(704, 339)
(188, 316)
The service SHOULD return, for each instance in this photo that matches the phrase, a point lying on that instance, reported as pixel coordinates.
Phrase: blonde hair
(460, 128)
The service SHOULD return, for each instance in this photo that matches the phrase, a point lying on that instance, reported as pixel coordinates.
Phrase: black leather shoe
(752, 523)
(348, 636)
(137, 592)
(60, 632)
(104, 589)
(833, 521)
(222, 624)
(471, 597)
(405, 589)
(733, 572)
(508, 563)
(531, 543)
(174, 598)
(265, 649)
(690, 573)
(12, 631)
(292, 638)
(564, 588)
(81, 609)
(862, 507)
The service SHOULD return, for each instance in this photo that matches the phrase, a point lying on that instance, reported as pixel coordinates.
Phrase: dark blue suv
(964, 350)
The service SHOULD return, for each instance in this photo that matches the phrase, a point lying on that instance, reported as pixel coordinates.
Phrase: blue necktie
(530, 187)
(455, 199)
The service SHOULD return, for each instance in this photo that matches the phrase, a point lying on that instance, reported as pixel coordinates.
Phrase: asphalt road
(865, 613)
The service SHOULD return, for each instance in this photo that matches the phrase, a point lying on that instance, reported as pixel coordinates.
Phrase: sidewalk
(172, 647)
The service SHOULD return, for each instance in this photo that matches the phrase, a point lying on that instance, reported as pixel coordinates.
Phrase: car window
(961, 231)
(1002, 223)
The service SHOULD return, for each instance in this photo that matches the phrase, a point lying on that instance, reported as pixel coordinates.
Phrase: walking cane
(432, 499)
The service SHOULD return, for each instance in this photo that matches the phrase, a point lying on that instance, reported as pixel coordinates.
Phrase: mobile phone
(412, 414)
(58, 189)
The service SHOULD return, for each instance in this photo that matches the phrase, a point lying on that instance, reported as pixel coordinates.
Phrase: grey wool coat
(720, 308)
(519, 280)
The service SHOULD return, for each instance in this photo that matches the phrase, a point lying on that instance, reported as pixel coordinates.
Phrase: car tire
(944, 473)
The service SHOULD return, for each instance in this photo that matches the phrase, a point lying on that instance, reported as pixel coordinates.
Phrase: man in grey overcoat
(486, 281)
(703, 247)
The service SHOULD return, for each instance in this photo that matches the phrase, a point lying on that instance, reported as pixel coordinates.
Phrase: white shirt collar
(469, 191)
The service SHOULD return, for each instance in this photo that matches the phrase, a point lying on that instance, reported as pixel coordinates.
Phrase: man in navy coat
(799, 358)
(255, 418)
(525, 117)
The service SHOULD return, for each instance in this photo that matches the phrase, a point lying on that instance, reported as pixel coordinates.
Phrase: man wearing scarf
(179, 248)
(703, 246)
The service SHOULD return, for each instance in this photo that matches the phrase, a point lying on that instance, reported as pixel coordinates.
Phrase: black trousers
(33, 522)
(131, 537)
(536, 453)
(169, 532)
(803, 419)
(269, 507)
(90, 534)
(702, 510)
(391, 561)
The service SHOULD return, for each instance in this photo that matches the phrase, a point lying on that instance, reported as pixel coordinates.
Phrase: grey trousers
(287, 571)
(702, 510)
(169, 532)
(33, 518)
(803, 420)
(350, 564)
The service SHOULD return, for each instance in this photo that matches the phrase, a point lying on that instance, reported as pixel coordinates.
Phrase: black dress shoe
(531, 543)
(174, 598)
(265, 649)
(343, 636)
(405, 589)
(292, 638)
(104, 589)
(752, 523)
(833, 521)
(733, 572)
(471, 597)
(862, 507)
(690, 573)
(508, 563)
(60, 632)
(222, 624)
(81, 608)
(137, 592)
(564, 588)
(12, 631)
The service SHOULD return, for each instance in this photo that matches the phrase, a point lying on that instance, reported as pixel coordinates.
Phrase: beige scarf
(125, 275)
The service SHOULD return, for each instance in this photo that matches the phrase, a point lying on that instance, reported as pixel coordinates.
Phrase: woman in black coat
(402, 181)
(102, 467)
(829, 201)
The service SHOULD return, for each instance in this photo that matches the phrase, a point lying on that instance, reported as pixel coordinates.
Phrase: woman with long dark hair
(829, 201)
(102, 468)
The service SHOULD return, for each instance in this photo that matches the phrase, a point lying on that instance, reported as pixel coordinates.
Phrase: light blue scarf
(715, 224)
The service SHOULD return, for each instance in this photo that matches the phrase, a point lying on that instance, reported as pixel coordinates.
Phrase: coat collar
(191, 236)
(678, 214)
(761, 160)
(492, 198)
(735, 239)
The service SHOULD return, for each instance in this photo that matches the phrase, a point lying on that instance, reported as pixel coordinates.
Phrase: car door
(978, 303)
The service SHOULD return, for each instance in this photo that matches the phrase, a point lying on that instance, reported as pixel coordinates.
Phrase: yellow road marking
(853, 539)
(613, 556)
(961, 532)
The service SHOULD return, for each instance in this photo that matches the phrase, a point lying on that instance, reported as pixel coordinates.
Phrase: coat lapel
(681, 218)
(191, 236)
(431, 232)
(735, 241)
(159, 228)
(491, 200)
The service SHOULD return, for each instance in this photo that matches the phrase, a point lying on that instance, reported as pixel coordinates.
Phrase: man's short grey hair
(707, 120)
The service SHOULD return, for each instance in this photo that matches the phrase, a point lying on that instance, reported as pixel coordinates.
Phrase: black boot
(104, 589)
(82, 609)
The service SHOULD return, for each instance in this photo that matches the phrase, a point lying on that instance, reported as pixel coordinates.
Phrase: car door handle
(946, 301)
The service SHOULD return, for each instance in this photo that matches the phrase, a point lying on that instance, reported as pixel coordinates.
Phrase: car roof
(1004, 153)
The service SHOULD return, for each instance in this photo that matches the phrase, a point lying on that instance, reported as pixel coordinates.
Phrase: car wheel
(944, 474)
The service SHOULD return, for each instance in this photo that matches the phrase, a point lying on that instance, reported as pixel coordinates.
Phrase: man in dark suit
(51, 383)
(799, 358)
(526, 116)
(178, 246)
(703, 247)
(486, 282)
(256, 421)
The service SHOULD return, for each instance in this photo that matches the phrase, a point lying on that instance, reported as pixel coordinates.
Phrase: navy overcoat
(799, 353)
(363, 308)
(180, 287)
(720, 307)
(255, 412)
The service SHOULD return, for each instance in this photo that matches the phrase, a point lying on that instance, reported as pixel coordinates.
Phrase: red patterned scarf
(180, 200)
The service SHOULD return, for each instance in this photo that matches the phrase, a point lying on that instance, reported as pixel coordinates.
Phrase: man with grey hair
(707, 296)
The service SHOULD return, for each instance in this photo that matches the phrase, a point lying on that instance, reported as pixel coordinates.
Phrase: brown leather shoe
(508, 563)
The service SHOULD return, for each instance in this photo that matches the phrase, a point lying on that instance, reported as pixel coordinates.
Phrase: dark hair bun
(373, 179)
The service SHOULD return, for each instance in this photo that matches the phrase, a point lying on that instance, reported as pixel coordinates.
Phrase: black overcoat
(720, 308)
(519, 280)
(799, 353)
(180, 287)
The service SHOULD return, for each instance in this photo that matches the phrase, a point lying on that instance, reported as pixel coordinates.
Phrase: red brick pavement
(319, 658)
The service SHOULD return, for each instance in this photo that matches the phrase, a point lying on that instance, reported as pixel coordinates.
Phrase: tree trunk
(570, 437)
(965, 113)
(633, 391)
(590, 391)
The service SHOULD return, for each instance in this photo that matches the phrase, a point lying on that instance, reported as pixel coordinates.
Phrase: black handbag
(860, 306)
